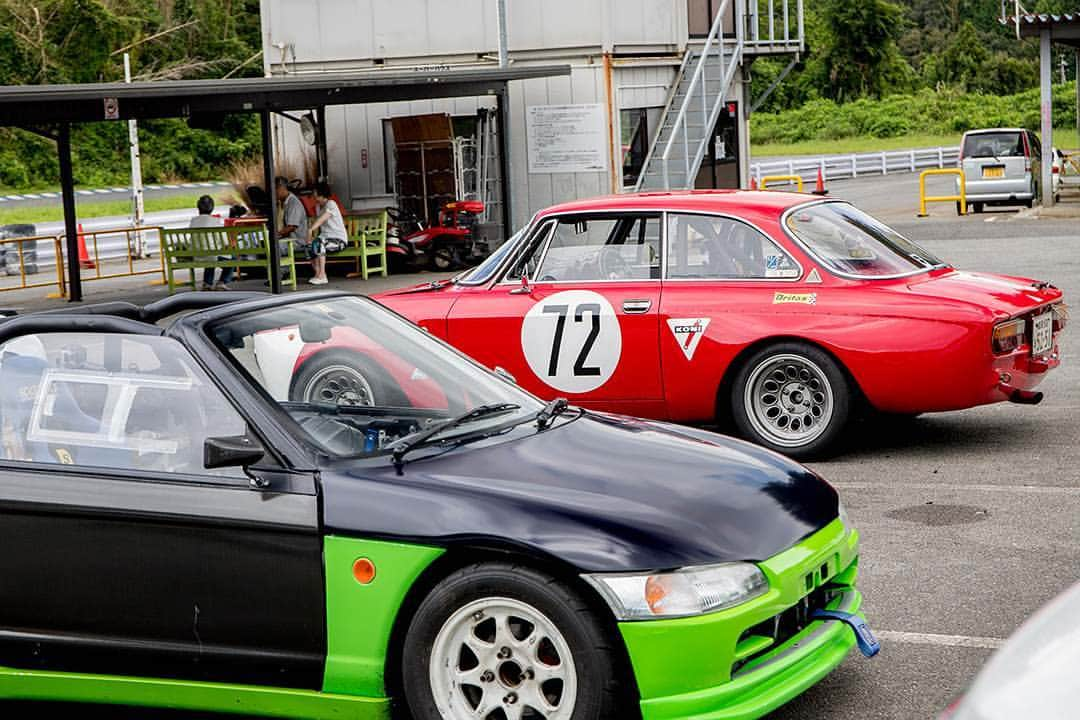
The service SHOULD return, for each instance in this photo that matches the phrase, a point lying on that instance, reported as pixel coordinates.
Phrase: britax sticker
(688, 332)
(796, 298)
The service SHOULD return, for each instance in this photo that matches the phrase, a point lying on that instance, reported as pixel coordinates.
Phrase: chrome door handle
(636, 306)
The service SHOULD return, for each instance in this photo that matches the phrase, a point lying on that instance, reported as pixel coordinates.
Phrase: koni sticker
(688, 333)
(572, 340)
(796, 298)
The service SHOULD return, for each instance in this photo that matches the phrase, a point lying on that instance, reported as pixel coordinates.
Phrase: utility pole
(1062, 65)
(136, 171)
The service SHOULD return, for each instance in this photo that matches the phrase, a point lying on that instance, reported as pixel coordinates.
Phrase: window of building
(634, 129)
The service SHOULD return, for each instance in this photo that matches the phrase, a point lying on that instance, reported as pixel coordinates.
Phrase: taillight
(1061, 316)
(1008, 336)
(1055, 169)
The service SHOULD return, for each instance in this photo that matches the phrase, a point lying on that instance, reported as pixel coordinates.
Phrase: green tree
(860, 54)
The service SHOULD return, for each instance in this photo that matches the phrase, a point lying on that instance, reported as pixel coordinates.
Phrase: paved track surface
(969, 520)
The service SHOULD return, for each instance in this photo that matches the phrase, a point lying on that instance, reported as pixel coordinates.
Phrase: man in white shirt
(205, 219)
(331, 226)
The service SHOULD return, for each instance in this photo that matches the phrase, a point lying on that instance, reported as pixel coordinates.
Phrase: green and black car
(310, 508)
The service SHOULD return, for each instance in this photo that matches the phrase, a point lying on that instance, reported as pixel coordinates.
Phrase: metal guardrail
(19, 242)
(841, 167)
(135, 239)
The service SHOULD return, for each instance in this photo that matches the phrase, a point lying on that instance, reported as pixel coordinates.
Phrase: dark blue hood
(601, 493)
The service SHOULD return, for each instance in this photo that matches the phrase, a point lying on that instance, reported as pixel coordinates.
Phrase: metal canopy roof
(1064, 28)
(38, 104)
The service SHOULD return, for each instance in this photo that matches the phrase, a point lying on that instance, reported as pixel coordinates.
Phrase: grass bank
(92, 208)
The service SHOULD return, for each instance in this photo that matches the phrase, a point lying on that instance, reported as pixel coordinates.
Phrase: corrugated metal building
(641, 90)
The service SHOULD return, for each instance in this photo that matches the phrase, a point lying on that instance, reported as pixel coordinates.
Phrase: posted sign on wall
(566, 138)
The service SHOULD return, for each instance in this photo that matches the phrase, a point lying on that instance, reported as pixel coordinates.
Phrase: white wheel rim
(339, 385)
(502, 659)
(788, 400)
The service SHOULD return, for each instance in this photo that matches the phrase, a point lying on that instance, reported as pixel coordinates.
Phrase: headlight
(681, 593)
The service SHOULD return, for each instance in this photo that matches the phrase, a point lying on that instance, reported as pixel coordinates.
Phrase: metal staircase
(704, 83)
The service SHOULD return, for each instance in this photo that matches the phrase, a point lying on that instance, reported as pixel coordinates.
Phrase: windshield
(993, 144)
(850, 242)
(357, 378)
(485, 270)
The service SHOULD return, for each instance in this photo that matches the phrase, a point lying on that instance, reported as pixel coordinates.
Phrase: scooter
(444, 246)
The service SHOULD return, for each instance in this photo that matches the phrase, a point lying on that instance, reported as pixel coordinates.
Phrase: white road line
(1033, 489)
(910, 638)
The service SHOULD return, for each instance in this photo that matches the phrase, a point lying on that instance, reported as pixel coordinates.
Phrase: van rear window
(993, 144)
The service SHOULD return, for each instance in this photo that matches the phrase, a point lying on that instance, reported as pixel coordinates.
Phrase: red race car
(782, 312)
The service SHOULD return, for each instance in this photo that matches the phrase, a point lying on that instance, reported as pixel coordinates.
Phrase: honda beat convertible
(309, 508)
(782, 312)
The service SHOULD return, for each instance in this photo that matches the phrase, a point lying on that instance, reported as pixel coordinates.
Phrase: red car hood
(1003, 295)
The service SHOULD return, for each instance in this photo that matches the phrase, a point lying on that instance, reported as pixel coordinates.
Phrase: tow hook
(868, 644)
(1021, 397)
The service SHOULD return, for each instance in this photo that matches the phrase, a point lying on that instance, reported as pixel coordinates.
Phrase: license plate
(997, 171)
(1042, 334)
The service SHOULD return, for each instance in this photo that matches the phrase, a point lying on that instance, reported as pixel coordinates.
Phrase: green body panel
(683, 666)
(182, 695)
(359, 618)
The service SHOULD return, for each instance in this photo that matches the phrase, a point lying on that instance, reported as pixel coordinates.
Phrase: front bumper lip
(764, 685)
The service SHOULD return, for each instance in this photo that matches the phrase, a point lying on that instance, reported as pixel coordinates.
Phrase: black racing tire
(336, 375)
(799, 399)
(977, 208)
(959, 208)
(456, 605)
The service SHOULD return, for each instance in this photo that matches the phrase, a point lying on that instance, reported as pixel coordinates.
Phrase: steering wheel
(613, 265)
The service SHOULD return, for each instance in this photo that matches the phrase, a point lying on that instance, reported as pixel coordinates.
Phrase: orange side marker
(363, 571)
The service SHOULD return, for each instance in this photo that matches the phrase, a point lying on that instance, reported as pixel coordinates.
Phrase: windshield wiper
(550, 411)
(411, 442)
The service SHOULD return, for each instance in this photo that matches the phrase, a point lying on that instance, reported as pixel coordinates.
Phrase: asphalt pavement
(969, 520)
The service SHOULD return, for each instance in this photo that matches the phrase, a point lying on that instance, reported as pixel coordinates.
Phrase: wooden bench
(241, 246)
(365, 246)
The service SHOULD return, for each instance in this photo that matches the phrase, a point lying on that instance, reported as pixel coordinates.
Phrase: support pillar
(1046, 110)
(271, 215)
(71, 227)
(502, 108)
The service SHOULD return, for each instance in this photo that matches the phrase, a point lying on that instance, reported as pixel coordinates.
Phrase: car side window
(602, 247)
(719, 248)
(530, 258)
(118, 402)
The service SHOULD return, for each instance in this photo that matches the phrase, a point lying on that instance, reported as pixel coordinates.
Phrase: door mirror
(314, 331)
(231, 451)
(525, 289)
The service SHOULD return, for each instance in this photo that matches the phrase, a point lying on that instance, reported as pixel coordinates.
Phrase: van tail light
(1008, 336)
(1027, 164)
(1055, 170)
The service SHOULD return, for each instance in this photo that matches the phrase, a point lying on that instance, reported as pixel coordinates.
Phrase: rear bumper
(684, 668)
(998, 191)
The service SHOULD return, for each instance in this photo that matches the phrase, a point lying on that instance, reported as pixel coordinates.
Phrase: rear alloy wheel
(499, 642)
(792, 398)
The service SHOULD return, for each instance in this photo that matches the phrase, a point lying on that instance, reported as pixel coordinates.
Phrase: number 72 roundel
(572, 340)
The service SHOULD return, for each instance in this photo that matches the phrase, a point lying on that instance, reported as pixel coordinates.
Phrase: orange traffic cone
(819, 187)
(753, 183)
(84, 257)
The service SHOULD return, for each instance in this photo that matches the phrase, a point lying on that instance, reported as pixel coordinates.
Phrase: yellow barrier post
(782, 178)
(924, 198)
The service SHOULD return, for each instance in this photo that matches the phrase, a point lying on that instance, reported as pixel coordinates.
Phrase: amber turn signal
(363, 571)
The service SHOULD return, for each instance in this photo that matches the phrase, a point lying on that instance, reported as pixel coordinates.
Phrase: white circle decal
(572, 340)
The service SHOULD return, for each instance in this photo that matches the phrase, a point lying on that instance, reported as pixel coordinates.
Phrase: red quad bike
(444, 246)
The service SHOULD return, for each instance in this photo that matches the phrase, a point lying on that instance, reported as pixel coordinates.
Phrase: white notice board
(566, 138)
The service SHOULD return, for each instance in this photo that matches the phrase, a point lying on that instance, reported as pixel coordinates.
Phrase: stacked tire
(9, 252)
